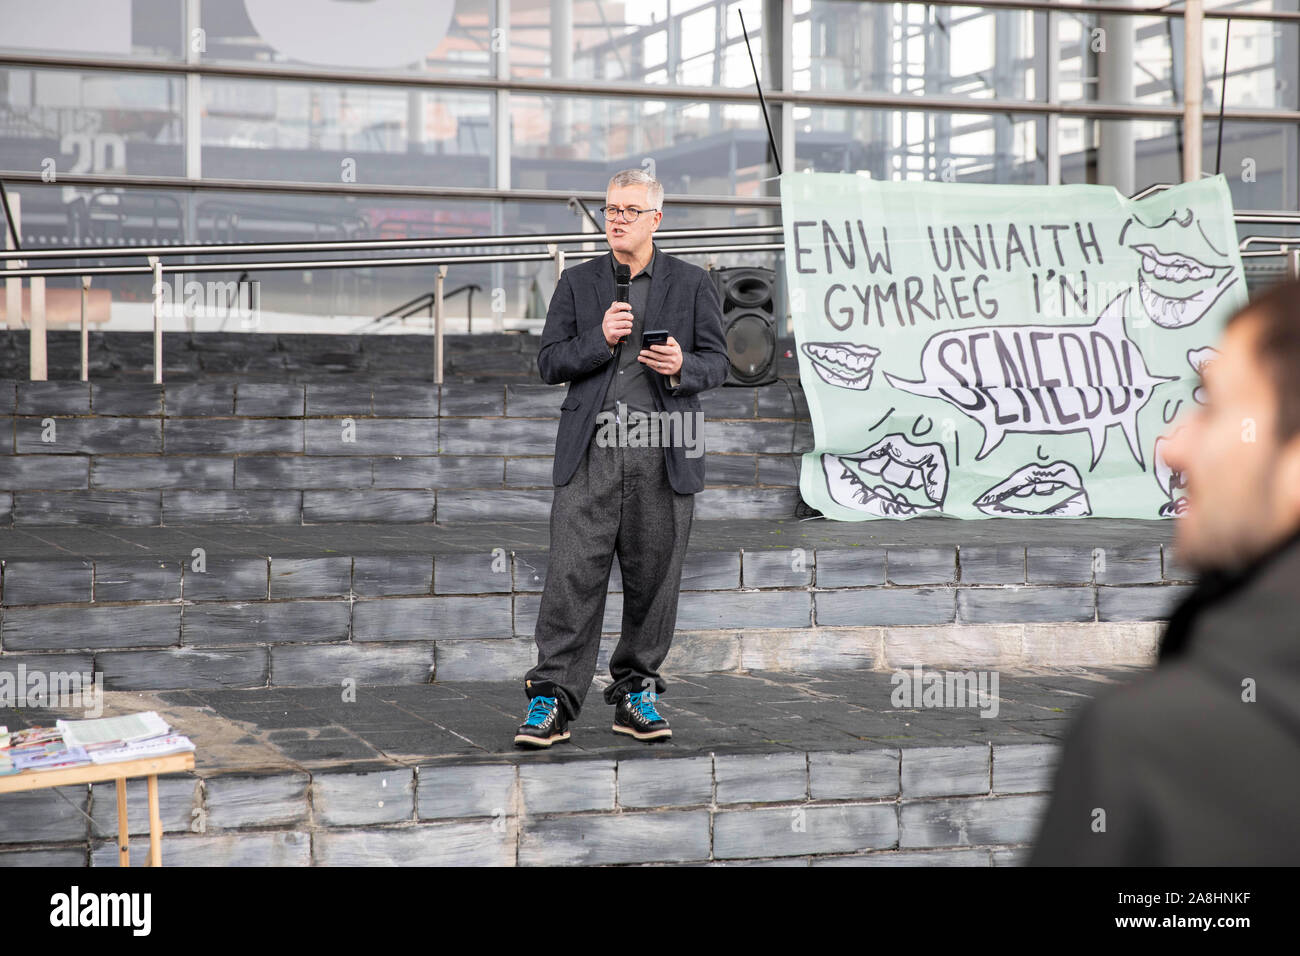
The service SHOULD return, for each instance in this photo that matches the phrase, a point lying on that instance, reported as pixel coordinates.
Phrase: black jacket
(1187, 772)
(682, 300)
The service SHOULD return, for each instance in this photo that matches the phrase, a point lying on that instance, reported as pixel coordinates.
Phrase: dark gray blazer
(682, 300)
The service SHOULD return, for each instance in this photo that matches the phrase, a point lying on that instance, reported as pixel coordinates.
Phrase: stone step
(818, 768)
(253, 606)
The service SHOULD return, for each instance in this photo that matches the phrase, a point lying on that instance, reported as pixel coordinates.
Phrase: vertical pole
(562, 39)
(1294, 256)
(438, 319)
(1116, 155)
(85, 334)
(14, 299)
(155, 823)
(156, 263)
(14, 284)
(39, 371)
(501, 160)
(558, 255)
(1052, 35)
(1193, 83)
(786, 80)
(123, 853)
(195, 47)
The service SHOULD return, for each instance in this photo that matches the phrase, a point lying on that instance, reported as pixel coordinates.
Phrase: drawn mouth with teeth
(1171, 481)
(1036, 490)
(1180, 273)
(894, 478)
(846, 364)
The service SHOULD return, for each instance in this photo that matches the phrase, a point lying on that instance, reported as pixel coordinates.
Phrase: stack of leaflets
(41, 748)
(131, 737)
(6, 760)
(72, 743)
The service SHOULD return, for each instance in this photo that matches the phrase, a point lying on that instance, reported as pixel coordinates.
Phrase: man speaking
(614, 493)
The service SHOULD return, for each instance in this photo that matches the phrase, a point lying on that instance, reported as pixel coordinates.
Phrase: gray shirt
(631, 384)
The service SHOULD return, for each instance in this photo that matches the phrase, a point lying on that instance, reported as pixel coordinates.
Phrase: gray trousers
(619, 502)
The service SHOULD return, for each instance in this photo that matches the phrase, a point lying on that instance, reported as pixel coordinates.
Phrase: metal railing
(425, 301)
(155, 266)
(554, 252)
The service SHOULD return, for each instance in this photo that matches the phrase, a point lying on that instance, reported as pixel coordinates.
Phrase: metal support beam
(1052, 82)
(1116, 152)
(156, 264)
(1193, 87)
(555, 252)
(85, 332)
(37, 365)
(14, 284)
(500, 48)
(439, 320)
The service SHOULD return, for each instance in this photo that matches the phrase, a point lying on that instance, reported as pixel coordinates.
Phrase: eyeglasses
(630, 213)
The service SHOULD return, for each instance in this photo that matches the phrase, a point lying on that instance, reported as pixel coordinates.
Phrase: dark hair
(1276, 312)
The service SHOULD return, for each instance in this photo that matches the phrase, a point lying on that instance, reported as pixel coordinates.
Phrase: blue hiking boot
(635, 715)
(544, 725)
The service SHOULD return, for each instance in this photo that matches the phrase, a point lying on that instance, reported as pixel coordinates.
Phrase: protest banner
(1001, 351)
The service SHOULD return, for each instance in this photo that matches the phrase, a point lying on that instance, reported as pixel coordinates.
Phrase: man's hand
(617, 323)
(664, 359)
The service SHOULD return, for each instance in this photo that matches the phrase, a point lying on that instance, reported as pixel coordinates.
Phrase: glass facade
(273, 120)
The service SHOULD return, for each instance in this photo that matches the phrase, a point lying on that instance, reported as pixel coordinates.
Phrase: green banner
(1001, 351)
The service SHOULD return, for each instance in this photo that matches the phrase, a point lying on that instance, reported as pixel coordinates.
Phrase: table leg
(123, 854)
(155, 823)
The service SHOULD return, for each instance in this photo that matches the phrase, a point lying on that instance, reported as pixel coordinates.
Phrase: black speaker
(749, 323)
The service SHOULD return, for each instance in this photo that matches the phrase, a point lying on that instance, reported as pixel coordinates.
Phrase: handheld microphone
(622, 283)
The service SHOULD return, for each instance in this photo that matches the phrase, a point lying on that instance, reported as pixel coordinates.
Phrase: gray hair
(639, 177)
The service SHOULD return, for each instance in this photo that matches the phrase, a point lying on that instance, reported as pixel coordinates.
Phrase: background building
(269, 120)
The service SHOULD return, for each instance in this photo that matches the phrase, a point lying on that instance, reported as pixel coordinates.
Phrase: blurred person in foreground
(1197, 762)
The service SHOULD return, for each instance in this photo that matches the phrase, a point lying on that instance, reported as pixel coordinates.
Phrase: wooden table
(148, 767)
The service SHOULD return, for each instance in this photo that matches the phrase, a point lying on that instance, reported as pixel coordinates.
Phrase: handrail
(427, 299)
(413, 304)
(1280, 240)
(1153, 188)
(349, 245)
(10, 230)
(397, 261)
(233, 298)
(1251, 216)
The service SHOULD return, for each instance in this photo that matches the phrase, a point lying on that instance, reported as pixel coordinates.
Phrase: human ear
(1287, 482)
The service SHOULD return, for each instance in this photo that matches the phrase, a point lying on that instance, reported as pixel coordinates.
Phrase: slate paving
(757, 712)
(421, 774)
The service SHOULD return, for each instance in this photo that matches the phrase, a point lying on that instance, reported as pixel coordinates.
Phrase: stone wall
(117, 453)
(973, 805)
(245, 621)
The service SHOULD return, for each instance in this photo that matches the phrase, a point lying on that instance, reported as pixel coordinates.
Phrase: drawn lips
(1170, 480)
(894, 478)
(1178, 271)
(845, 364)
(1054, 490)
